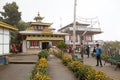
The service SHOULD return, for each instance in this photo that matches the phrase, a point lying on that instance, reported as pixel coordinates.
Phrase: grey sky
(108, 12)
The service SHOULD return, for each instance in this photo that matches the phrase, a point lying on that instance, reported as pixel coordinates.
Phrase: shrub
(100, 75)
(82, 73)
(62, 46)
(74, 65)
(85, 72)
(58, 54)
(43, 53)
(40, 71)
(66, 59)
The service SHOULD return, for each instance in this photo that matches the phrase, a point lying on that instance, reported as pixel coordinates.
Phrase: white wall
(24, 46)
(4, 41)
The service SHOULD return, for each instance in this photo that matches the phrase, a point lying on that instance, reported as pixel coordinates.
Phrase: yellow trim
(46, 31)
(45, 34)
(30, 28)
(7, 26)
(41, 23)
(46, 39)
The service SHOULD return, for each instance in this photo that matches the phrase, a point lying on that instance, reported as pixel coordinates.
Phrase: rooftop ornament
(38, 18)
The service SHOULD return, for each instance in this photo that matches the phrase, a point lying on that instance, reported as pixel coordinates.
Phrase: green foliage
(43, 53)
(22, 25)
(111, 47)
(111, 44)
(40, 71)
(61, 45)
(82, 72)
(66, 59)
(16, 38)
(58, 54)
(11, 14)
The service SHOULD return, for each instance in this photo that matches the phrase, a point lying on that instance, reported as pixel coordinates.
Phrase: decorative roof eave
(46, 31)
(45, 39)
(41, 23)
(39, 33)
(42, 34)
(2, 24)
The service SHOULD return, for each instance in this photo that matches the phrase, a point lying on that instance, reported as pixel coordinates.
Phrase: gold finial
(38, 18)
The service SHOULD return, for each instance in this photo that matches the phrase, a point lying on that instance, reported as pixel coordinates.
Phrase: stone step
(22, 62)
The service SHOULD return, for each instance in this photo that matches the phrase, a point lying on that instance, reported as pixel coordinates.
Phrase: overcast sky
(61, 12)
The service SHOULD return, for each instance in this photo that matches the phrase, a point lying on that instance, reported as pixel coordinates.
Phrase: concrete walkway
(57, 71)
(19, 68)
(15, 71)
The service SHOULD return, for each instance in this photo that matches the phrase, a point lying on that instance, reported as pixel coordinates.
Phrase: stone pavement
(22, 65)
(19, 69)
(15, 71)
(57, 71)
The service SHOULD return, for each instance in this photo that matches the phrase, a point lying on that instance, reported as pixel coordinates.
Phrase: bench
(75, 58)
(3, 60)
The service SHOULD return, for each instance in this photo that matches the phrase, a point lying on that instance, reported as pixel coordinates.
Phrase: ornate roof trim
(5, 25)
(46, 31)
(41, 23)
(45, 39)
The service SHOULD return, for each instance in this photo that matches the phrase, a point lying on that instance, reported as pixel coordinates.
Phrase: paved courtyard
(21, 66)
(15, 71)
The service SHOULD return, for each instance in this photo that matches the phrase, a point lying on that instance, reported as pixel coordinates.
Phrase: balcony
(86, 29)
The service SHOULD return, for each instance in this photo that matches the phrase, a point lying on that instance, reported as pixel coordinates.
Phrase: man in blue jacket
(98, 55)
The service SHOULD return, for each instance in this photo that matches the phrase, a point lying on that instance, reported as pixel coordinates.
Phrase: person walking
(81, 50)
(98, 55)
(88, 50)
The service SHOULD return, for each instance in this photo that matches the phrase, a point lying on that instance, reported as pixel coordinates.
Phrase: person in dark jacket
(93, 52)
(88, 50)
(98, 55)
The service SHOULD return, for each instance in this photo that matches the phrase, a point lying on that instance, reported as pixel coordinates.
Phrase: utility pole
(74, 26)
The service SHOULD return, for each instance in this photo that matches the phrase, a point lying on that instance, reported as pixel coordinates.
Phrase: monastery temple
(39, 36)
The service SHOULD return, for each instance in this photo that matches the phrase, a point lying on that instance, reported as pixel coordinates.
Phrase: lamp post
(74, 26)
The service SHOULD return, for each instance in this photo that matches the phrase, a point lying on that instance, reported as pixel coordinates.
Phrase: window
(34, 43)
(35, 27)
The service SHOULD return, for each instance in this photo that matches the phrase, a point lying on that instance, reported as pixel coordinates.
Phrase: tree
(11, 15)
(113, 46)
(62, 46)
(22, 25)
